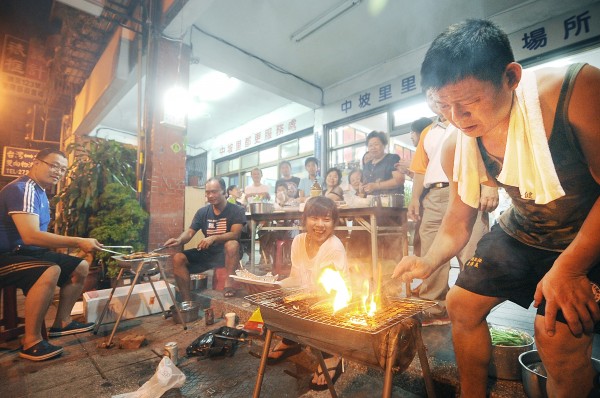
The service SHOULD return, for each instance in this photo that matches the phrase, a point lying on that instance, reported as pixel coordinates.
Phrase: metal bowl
(534, 373)
(504, 363)
(189, 311)
(261, 208)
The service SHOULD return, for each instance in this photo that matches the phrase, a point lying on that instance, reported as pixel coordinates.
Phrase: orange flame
(332, 280)
(369, 306)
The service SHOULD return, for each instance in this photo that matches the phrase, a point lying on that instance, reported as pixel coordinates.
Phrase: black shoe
(72, 328)
(41, 351)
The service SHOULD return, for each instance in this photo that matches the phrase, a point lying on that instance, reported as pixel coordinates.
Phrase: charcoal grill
(387, 341)
(141, 267)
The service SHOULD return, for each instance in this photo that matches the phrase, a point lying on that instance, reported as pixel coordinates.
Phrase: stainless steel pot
(261, 208)
(198, 281)
(534, 374)
(188, 309)
(391, 200)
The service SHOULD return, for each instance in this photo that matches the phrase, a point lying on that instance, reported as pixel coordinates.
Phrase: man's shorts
(506, 268)
(203, 260)
(24, 269)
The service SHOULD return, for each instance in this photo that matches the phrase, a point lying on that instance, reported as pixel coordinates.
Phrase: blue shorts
(506, 268)
(23, 269)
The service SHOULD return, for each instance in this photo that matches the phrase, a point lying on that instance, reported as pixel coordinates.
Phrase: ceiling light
(323, 19)
(93, 7)
(213, 86)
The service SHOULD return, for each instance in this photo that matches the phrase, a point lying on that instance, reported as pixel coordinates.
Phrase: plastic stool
(281, 266)
(220, 276)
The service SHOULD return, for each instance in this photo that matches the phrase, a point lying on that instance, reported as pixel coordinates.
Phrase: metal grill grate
(351, 318)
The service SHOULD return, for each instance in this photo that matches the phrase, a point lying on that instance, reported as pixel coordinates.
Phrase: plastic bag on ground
(167, 376)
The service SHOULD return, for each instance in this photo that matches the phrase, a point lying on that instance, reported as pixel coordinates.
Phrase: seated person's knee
(82, 269)
(232, 248)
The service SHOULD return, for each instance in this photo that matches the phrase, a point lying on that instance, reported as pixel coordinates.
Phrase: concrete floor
(87, 369)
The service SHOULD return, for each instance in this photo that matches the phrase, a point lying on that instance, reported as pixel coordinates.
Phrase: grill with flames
(387, 338)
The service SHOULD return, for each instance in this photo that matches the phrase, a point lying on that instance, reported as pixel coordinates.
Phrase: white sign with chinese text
(374, 97)
(563, 31)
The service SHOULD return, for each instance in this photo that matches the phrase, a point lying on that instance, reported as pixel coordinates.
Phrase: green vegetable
(509, 337)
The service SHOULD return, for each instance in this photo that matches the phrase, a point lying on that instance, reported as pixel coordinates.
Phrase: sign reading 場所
(17, 161)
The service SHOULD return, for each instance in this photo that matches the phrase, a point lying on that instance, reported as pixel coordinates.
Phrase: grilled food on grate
(140, 255)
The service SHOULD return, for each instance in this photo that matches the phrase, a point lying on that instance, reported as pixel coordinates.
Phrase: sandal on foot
(229, 292)
(336, 375)
(285, 353)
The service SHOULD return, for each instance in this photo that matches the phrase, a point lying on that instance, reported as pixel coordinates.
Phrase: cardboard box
(142, 302)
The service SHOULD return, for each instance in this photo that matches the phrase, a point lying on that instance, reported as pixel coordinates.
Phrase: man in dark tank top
(546, 247)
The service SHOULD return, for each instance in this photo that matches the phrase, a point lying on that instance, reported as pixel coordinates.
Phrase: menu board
(17, 161)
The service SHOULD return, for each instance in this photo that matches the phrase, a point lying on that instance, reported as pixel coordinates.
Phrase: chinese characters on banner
(384, 94)
(556, 33)
(23, 72)
(259, 137)
(17, 161)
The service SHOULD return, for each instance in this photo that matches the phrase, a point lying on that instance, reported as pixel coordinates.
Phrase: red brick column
(164, 179)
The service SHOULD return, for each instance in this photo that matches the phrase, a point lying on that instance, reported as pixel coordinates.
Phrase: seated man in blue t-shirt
(28, 262)
(221, 223)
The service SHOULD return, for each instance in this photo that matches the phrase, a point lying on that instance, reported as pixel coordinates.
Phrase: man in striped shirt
(221, 223)
(27, 261)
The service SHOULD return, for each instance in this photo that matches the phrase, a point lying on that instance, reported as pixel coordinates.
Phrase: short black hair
(354, 171)
(474, 48)
(231, 188)
(280, 184)
(378, 134)
(337, 171)
(320, 206)
(311, 159)
(42, 154)
(419, 125)
(220, 181)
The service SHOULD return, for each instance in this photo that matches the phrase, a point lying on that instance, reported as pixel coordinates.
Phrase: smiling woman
(312, 252)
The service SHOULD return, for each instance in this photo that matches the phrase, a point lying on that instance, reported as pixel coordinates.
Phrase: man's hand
(205, 243)
(414, 211)
(488, 200)
(411, 267)
(89, 245)
(571, 293)
(172, 242)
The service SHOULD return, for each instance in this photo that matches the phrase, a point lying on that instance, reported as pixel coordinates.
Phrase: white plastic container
(142, 302)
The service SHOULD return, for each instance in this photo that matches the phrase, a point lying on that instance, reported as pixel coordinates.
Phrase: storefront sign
(383, 94)
(24, 72)
(242, 141)
(17, 161)
(556, 33)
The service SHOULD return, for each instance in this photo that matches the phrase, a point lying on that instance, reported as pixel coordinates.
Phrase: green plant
(99, 199)
(97, 163)
(119, 221)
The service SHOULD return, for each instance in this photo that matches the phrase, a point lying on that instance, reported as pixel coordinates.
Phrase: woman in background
(333, 179)
(379, 174)
(312, 251)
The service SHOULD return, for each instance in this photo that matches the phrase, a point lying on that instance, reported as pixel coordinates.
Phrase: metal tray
(149, 263)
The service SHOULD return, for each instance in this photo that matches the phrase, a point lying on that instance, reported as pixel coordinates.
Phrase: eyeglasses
(55, 167)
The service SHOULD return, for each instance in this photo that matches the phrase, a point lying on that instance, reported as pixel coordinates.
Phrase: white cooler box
(142, 302)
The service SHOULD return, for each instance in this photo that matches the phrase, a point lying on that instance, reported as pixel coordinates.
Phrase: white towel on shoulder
(527, 160)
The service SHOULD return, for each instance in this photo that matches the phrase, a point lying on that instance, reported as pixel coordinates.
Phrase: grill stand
(139, 271)
(388, 368)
